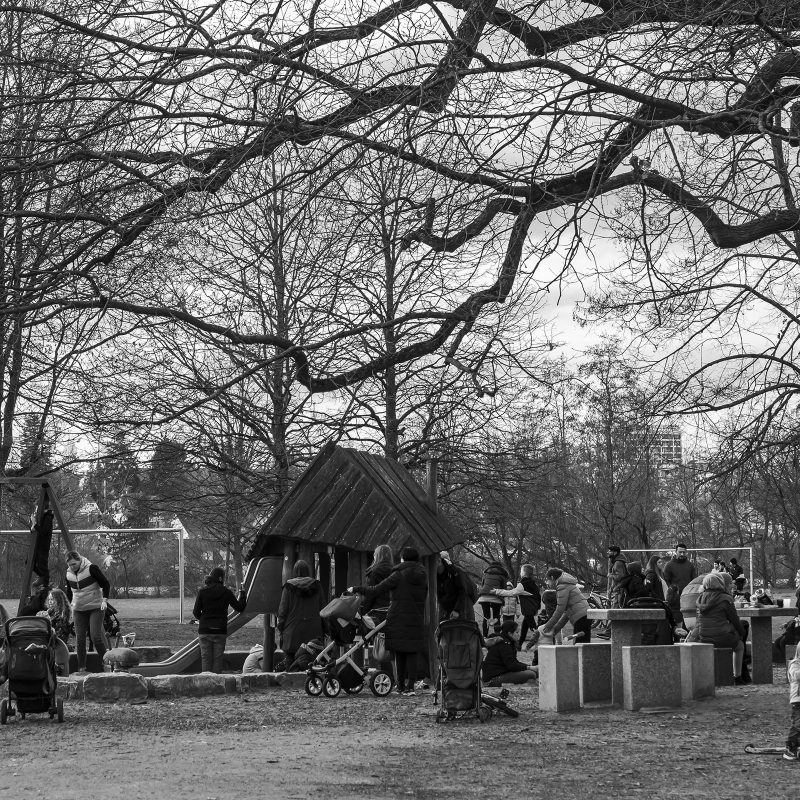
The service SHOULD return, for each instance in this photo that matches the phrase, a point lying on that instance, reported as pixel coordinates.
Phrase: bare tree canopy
(521, 119)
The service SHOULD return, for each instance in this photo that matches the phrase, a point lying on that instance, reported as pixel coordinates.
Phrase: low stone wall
(124, 687)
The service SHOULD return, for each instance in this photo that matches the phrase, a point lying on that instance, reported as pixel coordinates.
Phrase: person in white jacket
(572, 607)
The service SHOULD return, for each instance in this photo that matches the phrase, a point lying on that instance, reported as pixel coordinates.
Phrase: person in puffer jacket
(632, 585)
(87, 592)
(494, 577)
(211, 608)
(302, 599)
(718, 623)
(571, 606)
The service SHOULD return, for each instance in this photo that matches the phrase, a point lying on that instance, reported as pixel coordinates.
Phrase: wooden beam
(59, 518)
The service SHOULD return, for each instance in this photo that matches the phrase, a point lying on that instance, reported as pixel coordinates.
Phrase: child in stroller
(29, 663)
(330, 673)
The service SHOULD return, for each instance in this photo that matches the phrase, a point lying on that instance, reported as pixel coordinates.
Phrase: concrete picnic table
(626, 631)
(761, 637)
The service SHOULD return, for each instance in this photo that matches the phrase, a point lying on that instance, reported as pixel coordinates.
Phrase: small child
(510, 604)
(793, 740)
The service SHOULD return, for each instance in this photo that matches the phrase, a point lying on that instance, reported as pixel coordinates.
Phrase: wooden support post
(325, 574)
(60, 519)
(431, 563)
(31, 557)
(354, 575)
(340, 571)
(288, 561)
(306, 553)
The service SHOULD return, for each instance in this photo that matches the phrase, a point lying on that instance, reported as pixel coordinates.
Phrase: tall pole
(181, 564)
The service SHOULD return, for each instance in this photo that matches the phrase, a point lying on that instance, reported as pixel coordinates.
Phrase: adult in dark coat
(501, 664)
(405, 620)
(455, 592)
(211, 609)
(298, 613)
(494, 577)
(717, 620)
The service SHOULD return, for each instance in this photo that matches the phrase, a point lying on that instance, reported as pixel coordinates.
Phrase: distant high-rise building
(667, 446)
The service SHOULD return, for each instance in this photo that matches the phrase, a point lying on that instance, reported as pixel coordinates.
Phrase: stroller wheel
(354, 689)
(314, 685)
(331, 687)
(484, 714)
(381, 684)
(3, 712)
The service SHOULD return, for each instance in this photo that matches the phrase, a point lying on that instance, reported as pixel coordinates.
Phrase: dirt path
(287, 745)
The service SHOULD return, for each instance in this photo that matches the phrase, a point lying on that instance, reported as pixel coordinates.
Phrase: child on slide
(793, 740)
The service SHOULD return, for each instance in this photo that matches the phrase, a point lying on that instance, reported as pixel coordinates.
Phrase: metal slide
(189, 655)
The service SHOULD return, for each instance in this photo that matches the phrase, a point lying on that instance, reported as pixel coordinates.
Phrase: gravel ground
(287, 745)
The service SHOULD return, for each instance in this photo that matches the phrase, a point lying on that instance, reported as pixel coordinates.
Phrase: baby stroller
(330, 673)
(30, 666)
(460, 652)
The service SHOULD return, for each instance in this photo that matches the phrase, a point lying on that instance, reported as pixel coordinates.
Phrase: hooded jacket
(407, 585)
(501, 657)
(298, 613)
(570, 603)
(87, 588)
(211, 607)
(632, 585)
(494, 577)
(717, 620)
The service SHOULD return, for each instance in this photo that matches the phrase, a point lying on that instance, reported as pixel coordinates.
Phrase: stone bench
(654, 675)
(698, 672)
(651, 676)
(594, 672)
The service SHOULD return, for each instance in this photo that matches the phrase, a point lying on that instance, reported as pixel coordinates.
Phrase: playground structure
(343, 505)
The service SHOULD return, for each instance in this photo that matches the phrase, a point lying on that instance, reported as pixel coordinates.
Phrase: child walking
(793, 740)
(510, 604)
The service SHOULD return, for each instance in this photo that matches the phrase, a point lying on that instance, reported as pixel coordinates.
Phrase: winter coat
(501, 657)
(717, 620)
(405, 620)
(211, 607)
(632, 585)
(455, 591)
(617, 570)
(654, 584)
(86, 589)
(375, 574)
(254, 661)
(678, 574)
(570, 602)
(298, 613)
(494, 577)
(527, 594)
(735, 571)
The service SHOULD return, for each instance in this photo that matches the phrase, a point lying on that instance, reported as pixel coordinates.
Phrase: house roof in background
(349, 498)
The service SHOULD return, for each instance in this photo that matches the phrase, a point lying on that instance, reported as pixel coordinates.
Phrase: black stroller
(334, 668)
(460, 651)
(30, 666)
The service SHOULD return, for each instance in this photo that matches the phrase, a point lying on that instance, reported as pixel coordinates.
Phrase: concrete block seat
(559, 687)
(594, 672)
(651, 676)
(698, 670)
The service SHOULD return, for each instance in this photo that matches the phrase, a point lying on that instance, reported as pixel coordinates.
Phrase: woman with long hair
(87, 591)
(654, 583)
(211, 610)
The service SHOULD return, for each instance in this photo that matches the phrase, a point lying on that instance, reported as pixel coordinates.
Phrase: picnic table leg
(761, 644)
(624, 633)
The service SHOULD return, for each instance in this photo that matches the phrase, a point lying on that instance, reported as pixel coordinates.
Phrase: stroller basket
(344, 607)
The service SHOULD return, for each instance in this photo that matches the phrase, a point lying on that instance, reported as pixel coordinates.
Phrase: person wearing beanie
(501, 664)
(632, 585)
(211, 610)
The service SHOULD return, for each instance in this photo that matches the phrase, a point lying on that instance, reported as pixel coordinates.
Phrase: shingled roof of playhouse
(349, 498)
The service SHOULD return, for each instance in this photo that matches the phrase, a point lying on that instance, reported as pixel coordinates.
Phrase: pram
(330, 673)
(460, 654)
(30, 666)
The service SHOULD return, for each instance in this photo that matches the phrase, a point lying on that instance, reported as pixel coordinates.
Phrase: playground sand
(284, 744)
